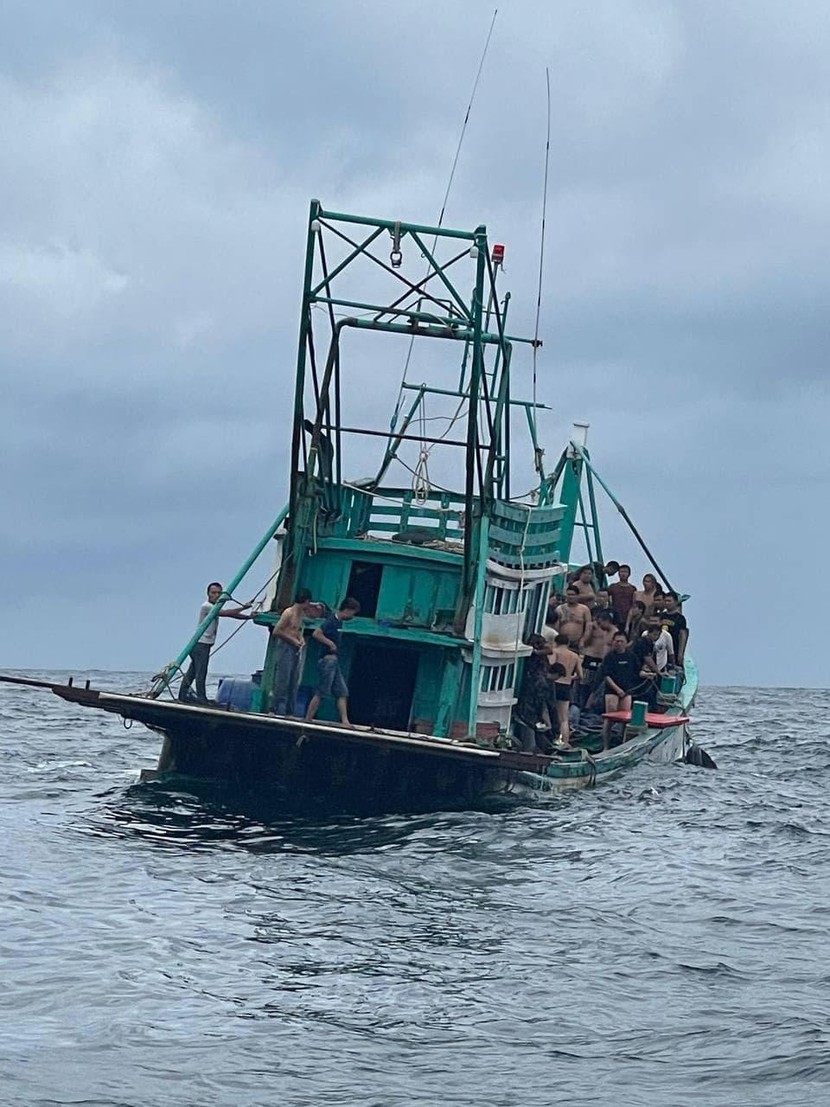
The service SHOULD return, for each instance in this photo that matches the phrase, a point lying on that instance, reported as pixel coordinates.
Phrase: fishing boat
(453, 569)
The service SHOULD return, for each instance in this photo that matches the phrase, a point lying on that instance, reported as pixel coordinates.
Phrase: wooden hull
(287, 766)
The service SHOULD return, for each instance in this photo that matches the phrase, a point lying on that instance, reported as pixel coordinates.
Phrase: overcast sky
(156, 163)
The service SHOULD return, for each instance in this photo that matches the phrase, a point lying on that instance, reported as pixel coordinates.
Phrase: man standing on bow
(200, 654)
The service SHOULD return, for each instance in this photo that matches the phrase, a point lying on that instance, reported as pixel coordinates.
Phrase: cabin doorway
(382, 685)
(364, 586)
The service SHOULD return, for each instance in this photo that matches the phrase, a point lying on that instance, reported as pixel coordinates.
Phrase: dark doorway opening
(382, 684)
(364, 586)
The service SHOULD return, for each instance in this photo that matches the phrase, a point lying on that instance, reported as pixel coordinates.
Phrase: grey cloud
(154, 178)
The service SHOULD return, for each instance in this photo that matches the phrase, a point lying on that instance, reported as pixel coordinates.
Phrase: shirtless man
(649, 593)
(595, 651)
(584, 584)
(562, 655)
(288, 633)
(573, 619)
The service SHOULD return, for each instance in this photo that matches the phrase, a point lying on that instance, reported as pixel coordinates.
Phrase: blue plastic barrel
(304, 694)
(235, 693)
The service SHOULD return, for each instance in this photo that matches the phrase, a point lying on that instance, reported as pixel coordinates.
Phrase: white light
(581, 434)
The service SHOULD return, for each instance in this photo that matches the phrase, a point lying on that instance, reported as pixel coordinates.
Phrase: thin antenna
(396, 412)
(542, 243)
(467, 118)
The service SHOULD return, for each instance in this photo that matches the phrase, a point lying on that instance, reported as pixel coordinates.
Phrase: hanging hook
(396, 257)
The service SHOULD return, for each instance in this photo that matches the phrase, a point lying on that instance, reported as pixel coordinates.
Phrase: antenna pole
(542, 240)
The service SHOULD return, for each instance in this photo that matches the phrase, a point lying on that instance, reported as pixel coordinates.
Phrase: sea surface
(659, 941)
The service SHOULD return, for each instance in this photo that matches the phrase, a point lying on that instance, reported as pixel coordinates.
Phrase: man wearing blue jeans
(331, 681)
(288, 652)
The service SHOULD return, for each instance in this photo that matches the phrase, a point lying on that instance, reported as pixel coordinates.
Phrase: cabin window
(536, 606)
(502, 598)
(364, 586)
(497, 678)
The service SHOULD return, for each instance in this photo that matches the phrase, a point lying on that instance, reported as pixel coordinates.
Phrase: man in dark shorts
(563, 656)
(573, 619)
(621, 674)
(331, 681)
(595, 652)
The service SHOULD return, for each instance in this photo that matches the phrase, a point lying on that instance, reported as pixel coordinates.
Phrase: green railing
(351, 512)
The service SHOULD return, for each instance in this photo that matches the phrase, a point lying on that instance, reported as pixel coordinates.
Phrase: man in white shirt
(663, 650)
(200, 654)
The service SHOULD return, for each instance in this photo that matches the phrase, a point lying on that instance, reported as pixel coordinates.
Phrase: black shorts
(590, 666)
(562, 692)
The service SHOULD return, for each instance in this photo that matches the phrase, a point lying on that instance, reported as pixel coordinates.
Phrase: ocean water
(659, 941)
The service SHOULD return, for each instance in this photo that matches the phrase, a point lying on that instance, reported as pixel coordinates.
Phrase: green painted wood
(478, 602)
(368, 550)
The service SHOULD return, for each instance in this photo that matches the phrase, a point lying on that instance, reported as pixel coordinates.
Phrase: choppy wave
(659, 941)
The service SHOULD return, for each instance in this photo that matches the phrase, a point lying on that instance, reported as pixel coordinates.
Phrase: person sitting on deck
(200, 654)
(288, 632)
(594, 652)
(675, 621)
(622, 596)
(573, 619)
(637, 621)
(331, 680)
(562, 655)
(621, 674)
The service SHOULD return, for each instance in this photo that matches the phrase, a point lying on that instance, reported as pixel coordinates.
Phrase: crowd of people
(604, 644)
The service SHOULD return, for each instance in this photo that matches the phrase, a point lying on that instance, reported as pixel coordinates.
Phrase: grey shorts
(330, 681)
